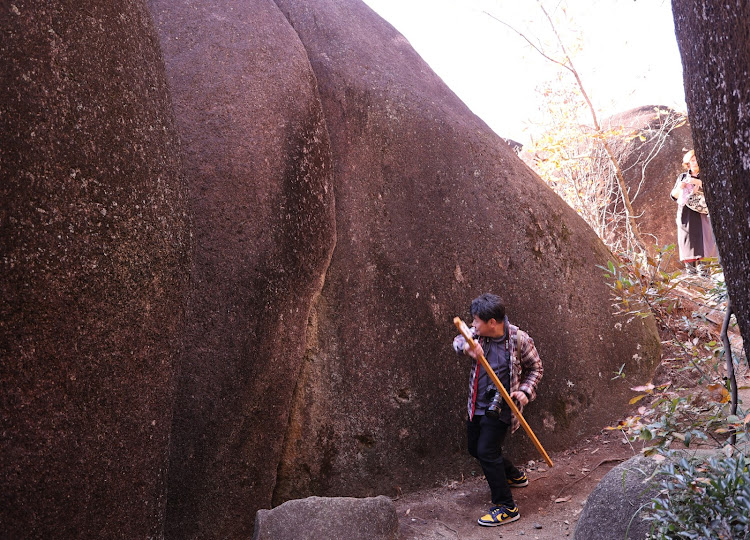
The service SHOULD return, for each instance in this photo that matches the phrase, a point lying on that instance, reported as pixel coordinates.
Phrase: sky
(624, 50)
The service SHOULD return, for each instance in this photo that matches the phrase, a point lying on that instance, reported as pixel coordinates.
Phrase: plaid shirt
(525, 368)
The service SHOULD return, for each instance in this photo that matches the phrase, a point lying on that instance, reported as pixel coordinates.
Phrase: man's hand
(474, 353)
(520, 397)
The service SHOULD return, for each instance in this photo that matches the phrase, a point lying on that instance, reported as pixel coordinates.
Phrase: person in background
(695, 238)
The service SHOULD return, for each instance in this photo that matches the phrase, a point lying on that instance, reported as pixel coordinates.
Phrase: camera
(493, 410)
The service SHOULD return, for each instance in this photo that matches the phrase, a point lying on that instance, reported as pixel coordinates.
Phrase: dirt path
(451, 512)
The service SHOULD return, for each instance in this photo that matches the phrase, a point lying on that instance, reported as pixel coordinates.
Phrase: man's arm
(531, 365)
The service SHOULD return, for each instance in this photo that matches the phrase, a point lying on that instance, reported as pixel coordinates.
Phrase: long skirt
(695, 238)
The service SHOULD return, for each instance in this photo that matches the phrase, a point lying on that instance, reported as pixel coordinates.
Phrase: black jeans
(485, 437)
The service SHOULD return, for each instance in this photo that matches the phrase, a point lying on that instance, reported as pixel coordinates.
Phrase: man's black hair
(488, 306)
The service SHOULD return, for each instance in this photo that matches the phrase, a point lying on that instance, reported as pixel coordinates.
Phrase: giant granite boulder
(94, 271)
(431, 210)
(286, 386)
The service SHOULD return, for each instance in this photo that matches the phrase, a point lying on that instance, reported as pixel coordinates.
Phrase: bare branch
(632, 226)
(569, 65)
(537, 49)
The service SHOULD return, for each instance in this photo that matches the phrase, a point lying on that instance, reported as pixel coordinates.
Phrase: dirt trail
(451, 512)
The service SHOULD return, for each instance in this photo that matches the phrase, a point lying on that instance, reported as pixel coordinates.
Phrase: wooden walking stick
(500, 388)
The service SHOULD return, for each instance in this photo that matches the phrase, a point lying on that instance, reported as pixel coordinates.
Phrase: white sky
(628, 53)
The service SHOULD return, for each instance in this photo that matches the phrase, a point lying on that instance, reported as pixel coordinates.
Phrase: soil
(549, 505)
(552, 502)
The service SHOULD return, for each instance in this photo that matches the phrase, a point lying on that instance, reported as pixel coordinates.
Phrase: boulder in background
(650, 168)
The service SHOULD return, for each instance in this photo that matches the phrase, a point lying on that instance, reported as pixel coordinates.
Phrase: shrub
(701, 499)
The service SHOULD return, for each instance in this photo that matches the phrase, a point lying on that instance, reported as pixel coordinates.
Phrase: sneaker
(499, 515)
(521, 481)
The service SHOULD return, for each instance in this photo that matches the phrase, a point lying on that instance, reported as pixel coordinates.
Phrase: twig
(528, 41)
(451, 530)
(627, 439)
(454, 531)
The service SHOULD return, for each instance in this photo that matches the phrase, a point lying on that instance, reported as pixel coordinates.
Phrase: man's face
(484, 328)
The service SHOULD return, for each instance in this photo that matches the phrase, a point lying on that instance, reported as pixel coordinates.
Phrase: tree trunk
(715, 50)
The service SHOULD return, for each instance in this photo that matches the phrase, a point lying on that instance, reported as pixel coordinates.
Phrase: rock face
(650, 168)
(612, 510)
(717, 92)
(94, 269)
(432, 209)
(316, 335)
(340, 518)
(258, 169)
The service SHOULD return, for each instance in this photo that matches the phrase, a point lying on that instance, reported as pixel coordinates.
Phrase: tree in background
(570, 157)
(577, 160)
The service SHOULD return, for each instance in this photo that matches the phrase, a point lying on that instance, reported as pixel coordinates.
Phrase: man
(511, 354)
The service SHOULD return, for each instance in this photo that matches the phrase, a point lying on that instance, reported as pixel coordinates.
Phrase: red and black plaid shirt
(525, 368)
